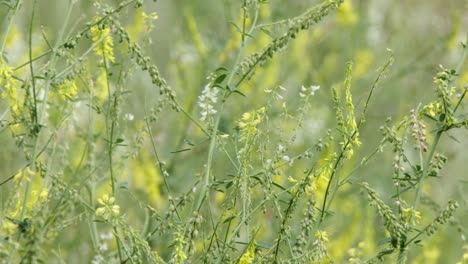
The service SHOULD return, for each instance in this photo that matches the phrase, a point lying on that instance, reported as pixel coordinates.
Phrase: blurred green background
(192, 38)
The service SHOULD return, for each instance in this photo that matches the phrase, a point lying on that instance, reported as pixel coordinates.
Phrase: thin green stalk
(93, 228)
(206, 178)
(81, 33)
(361, 121)
(31, 69)
(439, 133)
(110, 111)
(426, 168)
(43, 109)
(118, 242)
(110, 130)
(10, 24)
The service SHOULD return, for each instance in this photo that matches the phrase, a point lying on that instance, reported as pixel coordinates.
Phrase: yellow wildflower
(249, 122)
(364, 59)
(411, 216)
(105, 45)
(8, 228)
(108, 209)
(321, 235)
(10, 86)
(346, 16)
(66, 90)
(249, 255)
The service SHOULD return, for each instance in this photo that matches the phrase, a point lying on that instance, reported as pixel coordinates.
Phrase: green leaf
(229, 184)
(221, 69)
(441, 117)
(236, 26)
(229, 219)
(237, 92)
(220, 79)
(180, 150)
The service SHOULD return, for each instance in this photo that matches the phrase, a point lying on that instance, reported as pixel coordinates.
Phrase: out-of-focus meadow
(152, 132)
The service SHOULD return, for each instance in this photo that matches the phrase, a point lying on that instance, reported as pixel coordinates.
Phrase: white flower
(313, 89)
(107, 236)
(208, 97)
(129, 116)
(103, 247)
(98, 259)
(288, 160)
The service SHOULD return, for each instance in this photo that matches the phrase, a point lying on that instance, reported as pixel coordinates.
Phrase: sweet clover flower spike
(249, 255)
(108, 208)
(66, 90)
(179, 255)
(249, 122)
(105, 46)
(207, 99)
(10, 90)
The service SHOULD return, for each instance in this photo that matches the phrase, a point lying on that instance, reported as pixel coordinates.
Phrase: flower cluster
(9, 83)
(108, 208)
(102, 247)
(66, 90)
(346, 16)
(321, 235)
(249, 255)
(249, 122)
(207, 99)
(306, 91)
(179, 255)
(320, 250)
(418, 131)
(276, 93)
(411, 216)
(104, 44)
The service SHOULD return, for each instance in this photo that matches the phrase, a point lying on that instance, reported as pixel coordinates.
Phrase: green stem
(10, 23)
(426, 168)
(43, 110)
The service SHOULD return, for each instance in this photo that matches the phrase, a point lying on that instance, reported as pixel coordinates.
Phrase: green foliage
(230, 132)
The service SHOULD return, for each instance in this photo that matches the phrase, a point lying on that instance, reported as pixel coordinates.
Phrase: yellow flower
(179, 255)
(8, 228)
(10, 86)
(249, 255)
(411, 216)
(108, 208)
(364, 59)
(249, 122)
(321, 235)
(43, 194)
(105, 45)
(346, 15)
(68, 89)
(432, 109)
